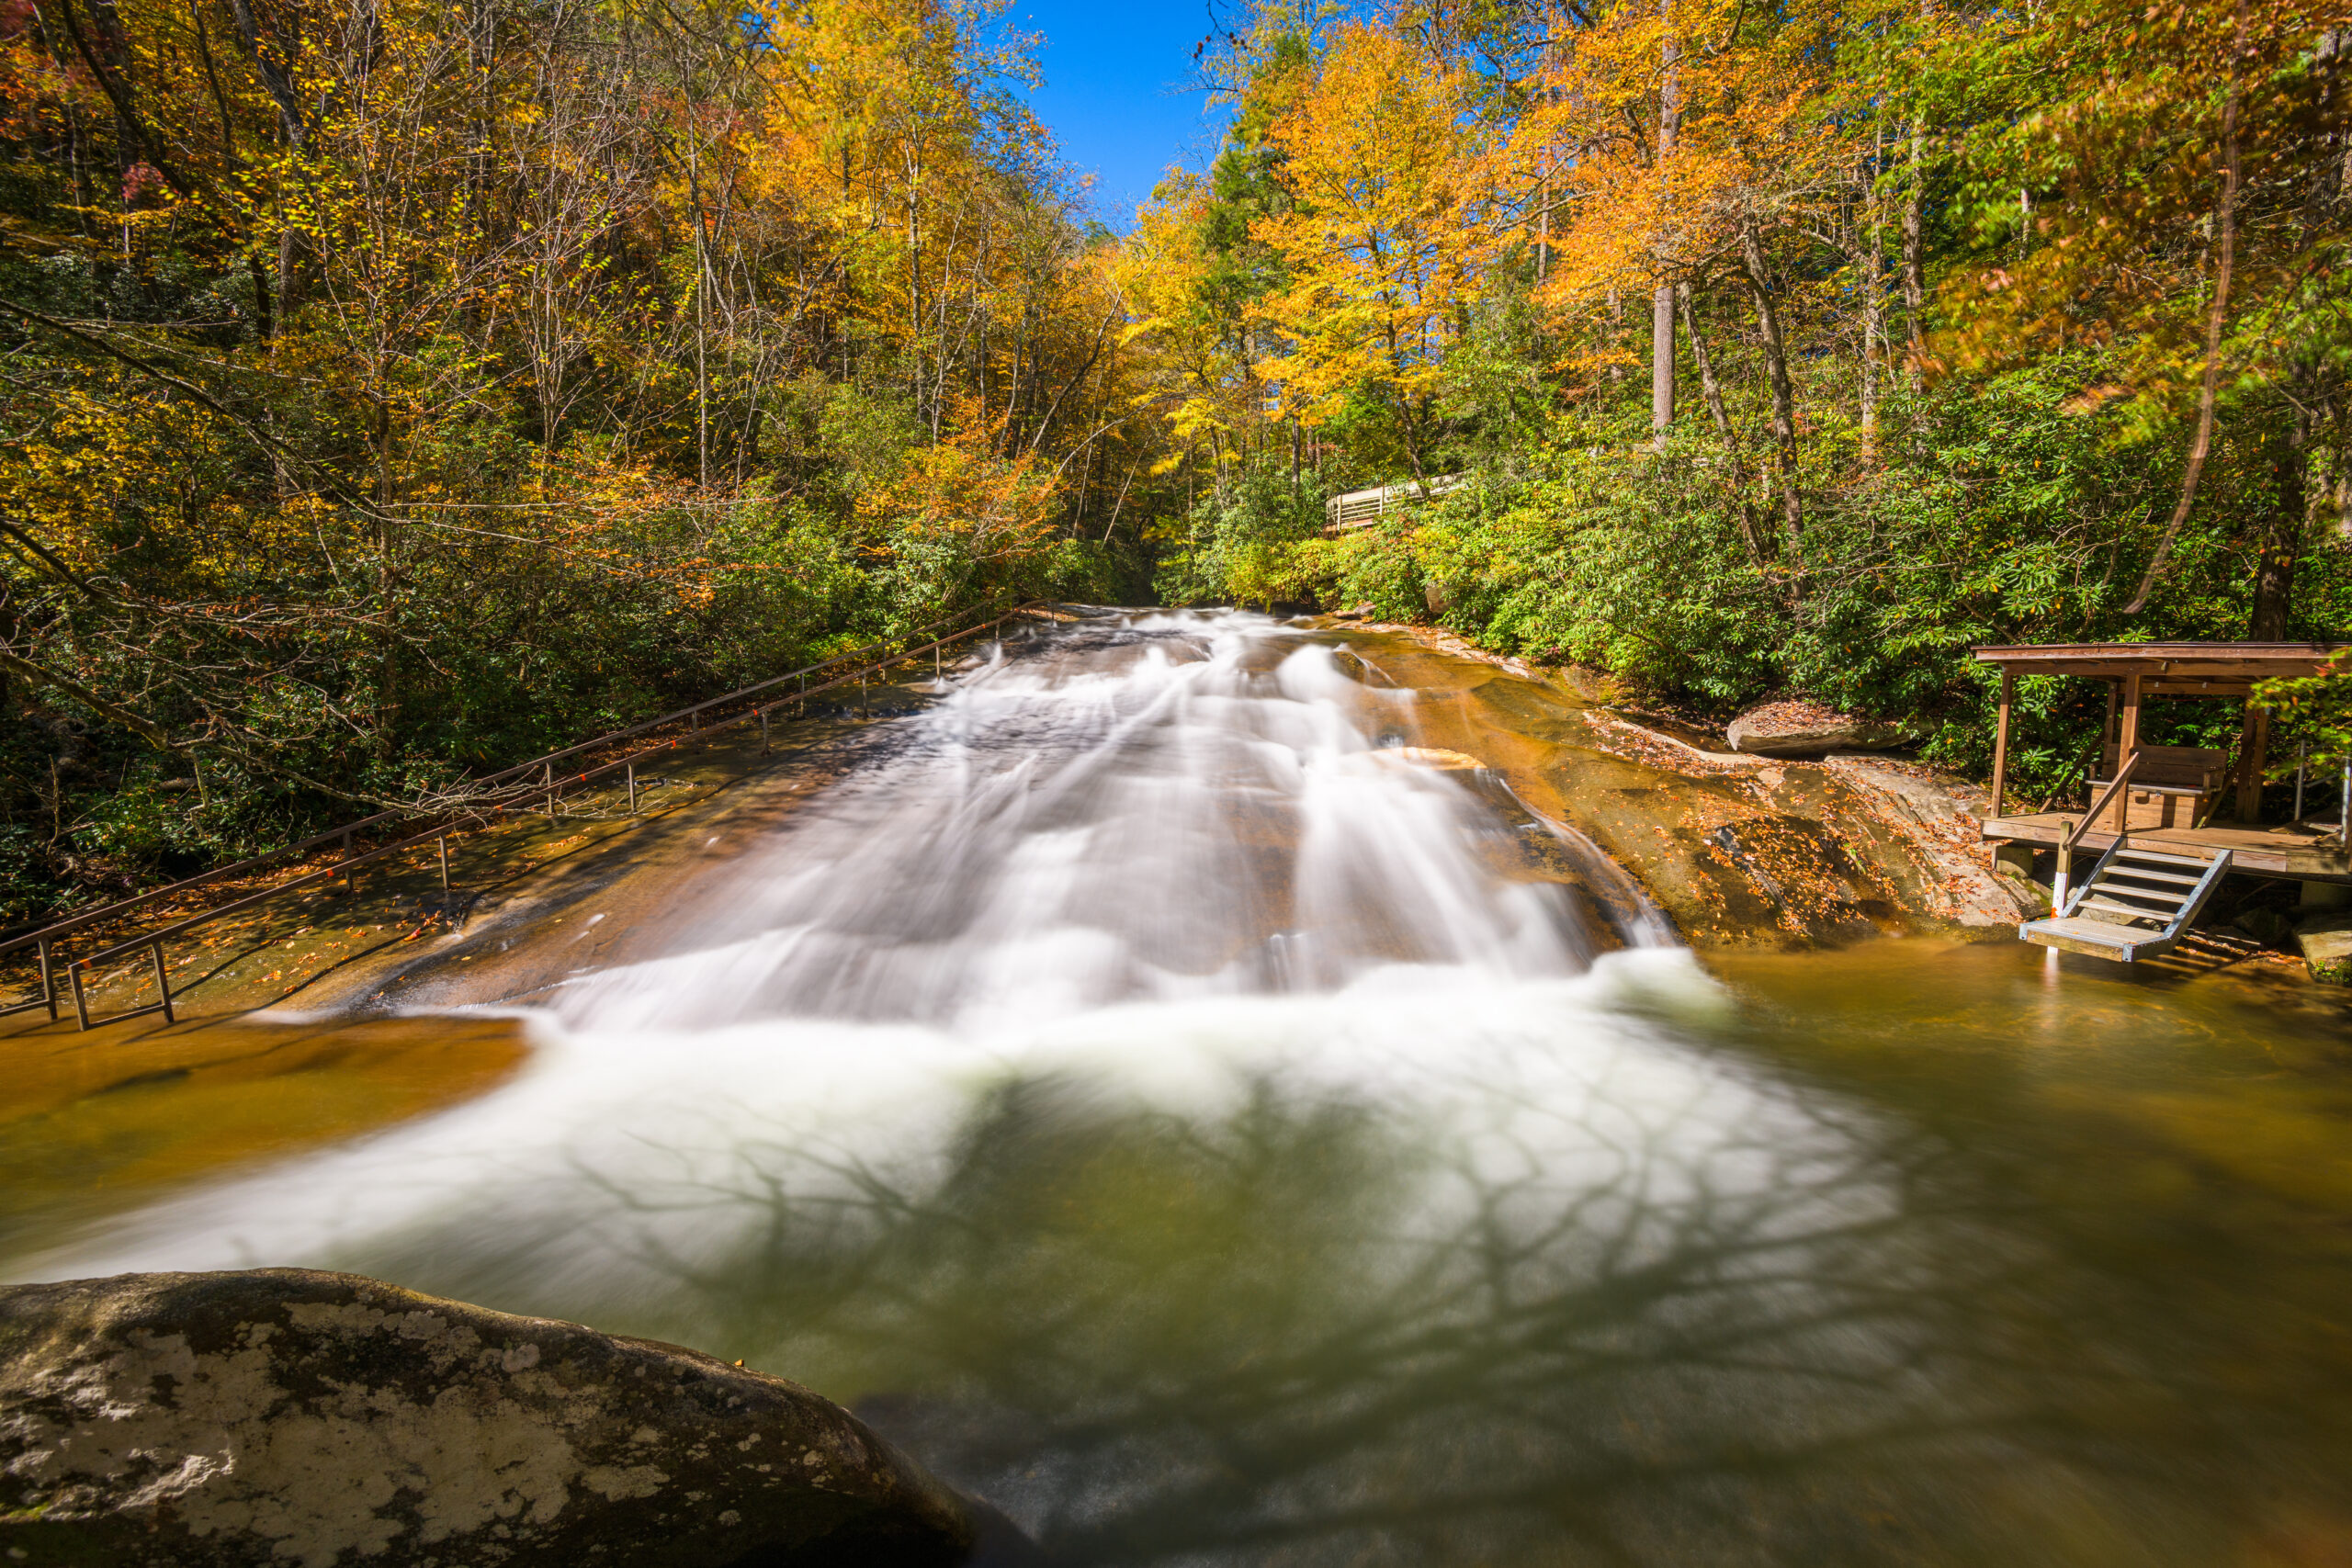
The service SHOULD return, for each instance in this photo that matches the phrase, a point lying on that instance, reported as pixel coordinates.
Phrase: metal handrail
(108, 911)
(469, 812)
(2064, 872)
(704, 706)
(2123, 776)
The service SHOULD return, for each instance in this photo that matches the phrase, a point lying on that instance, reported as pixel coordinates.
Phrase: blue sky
(1114, 93)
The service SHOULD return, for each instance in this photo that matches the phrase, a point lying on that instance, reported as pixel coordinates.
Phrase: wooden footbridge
(2151, 819)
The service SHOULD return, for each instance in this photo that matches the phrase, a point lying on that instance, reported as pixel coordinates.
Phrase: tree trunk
(702, 322)
(1670, 124)
(2282, 541)
(2216, 315)
(1712, 392)
(1776, 371)
(1874, 303)
(292, 133)
(1915, 266)
(1915, 244)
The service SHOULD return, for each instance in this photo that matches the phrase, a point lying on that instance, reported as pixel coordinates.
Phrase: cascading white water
(1164, 891)
(1217, 1134)
(1169, 853)
(1149, 810)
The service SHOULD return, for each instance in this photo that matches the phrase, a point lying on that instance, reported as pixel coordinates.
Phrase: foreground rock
(1808, 729)
(283, 1415)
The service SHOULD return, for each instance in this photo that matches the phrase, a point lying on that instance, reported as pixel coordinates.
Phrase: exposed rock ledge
(283, 1415)
(1736, 848)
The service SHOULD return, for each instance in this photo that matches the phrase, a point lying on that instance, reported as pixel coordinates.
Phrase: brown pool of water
(2068, 1289)
(2240, 1072)
(91, 1123)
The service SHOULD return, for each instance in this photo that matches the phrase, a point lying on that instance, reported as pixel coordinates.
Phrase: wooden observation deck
(2154, 817)
(1362, 508)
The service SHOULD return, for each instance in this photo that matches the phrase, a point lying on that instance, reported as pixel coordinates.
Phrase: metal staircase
(2135, 904)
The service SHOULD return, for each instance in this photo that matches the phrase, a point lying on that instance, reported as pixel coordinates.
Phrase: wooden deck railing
(2123, 776)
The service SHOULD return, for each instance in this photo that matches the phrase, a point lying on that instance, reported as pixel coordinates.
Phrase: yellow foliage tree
(1202, 386)
(1395, 224)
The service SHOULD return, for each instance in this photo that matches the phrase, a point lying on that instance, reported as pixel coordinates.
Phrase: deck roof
(2169, 669)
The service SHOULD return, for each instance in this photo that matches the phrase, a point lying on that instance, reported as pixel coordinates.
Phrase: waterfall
(1173, 858)
(1186, 1111)
(1150, 808)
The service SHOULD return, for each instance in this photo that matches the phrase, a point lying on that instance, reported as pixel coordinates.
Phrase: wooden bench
(2170, 788)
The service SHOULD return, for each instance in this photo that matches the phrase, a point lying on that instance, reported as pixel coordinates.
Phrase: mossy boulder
(292, 1418)
(2326, 943)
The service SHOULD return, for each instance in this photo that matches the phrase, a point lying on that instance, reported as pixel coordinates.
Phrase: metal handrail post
(442, 843)
(2075, 836)
(162, 982)
(46, 996)
(632, 788)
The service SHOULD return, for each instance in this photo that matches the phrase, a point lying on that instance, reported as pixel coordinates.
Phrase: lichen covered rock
(293, 1417)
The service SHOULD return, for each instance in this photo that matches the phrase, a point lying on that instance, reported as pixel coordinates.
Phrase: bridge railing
(480, 802)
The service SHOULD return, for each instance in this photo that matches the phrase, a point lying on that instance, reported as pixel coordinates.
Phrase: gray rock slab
(306, 1420)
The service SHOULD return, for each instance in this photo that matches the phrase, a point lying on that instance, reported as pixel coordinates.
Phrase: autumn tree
(1388, 232)
(2176, 195)
(400, 388)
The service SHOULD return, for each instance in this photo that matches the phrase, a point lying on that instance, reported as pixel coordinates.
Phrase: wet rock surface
(1739, 850)
(292, 1417)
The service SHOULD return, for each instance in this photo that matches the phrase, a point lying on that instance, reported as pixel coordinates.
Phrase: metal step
(2088, 924)
(2171, 897)
(2140, 904)
(2098, 939)
(2154, 857)
(2162, 917)
(2172, 876)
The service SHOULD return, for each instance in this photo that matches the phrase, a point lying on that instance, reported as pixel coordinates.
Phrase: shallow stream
(1216, 1132)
